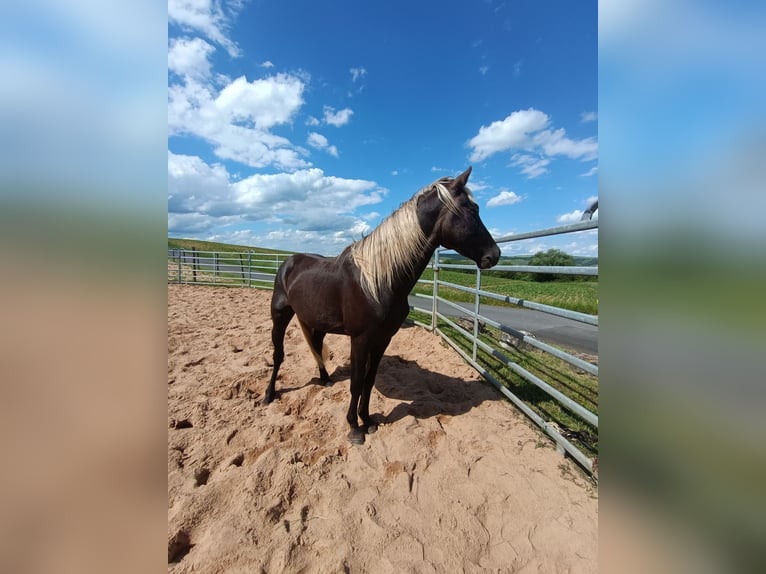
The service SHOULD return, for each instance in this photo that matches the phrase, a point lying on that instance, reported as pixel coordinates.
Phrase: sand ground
(455, 480)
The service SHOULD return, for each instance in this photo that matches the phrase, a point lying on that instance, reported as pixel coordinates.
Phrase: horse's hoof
(371, 429)
(327, 383)
(267, 399)
(356, 436)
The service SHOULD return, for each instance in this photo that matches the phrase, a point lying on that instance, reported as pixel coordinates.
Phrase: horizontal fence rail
(485, 343)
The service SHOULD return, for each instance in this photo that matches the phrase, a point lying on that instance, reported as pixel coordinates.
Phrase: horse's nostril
(490, 260)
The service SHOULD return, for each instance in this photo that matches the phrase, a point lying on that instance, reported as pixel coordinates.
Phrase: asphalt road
(551, 329)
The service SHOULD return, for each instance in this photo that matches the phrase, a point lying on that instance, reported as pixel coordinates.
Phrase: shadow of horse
(424, 394)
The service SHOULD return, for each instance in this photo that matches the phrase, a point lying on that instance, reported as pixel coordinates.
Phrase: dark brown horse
(363, 291)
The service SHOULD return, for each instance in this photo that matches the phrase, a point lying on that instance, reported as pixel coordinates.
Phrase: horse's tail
(307, 333)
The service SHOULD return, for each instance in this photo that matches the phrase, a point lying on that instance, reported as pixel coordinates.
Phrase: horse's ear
(462, 179)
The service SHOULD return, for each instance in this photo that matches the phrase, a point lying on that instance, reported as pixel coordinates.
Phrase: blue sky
(300, 125)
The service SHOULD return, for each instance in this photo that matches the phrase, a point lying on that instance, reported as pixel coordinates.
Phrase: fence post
(215, 264)
(249, 268)
(194, 264)
(242, 267)
(436, 290)
(180, 256)
(476, 310)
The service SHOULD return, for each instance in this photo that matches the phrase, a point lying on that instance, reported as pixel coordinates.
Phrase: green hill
(174, 243)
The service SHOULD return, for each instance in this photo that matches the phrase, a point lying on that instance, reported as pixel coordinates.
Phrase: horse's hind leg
(281, 314)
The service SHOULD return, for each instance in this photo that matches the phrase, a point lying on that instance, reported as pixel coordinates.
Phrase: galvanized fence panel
(471, 342)
(223, 268)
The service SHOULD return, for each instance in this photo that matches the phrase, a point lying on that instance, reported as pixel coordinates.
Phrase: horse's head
(449, 210)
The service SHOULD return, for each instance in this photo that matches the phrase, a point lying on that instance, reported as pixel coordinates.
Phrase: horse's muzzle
(490, 258)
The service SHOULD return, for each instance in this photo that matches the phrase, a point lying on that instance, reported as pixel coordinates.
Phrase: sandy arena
(455, 479)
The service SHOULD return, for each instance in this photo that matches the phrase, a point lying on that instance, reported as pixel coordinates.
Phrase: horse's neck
(420, 261)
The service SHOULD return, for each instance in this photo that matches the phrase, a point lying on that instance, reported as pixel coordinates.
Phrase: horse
(363, 291)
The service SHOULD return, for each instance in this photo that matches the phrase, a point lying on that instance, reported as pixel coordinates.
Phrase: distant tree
(552, 257)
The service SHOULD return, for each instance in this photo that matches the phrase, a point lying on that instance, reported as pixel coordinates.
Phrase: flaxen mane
(391, 249)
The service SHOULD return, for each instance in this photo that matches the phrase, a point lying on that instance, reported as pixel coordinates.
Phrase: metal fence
(484, 351)
(481, 343)
(224, 268)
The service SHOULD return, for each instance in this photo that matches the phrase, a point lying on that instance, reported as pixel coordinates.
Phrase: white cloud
(483, 70)
(318, 141)
(531, 166)
(529, 131)
(189, 57)
(203, 16)
(203, 198)
(572, 217)
(195, 187)
(236, 120)
(189, 223)
(513, 132)
(267, 64)
(556, 143)
(591, 200)
(312, 121)
(357, 73)
(338, 118)
(305, 190)
(505, 197)
(590, 172)
(586, 117)
(266, 102)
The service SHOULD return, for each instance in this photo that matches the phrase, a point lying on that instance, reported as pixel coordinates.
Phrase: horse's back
(313, 286)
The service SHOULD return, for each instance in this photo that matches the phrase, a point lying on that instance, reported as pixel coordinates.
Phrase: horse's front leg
(359, 354)
(376, 354)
